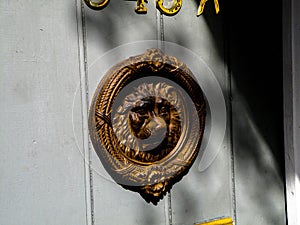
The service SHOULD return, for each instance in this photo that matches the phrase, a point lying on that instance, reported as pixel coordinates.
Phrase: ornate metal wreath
(146, 122)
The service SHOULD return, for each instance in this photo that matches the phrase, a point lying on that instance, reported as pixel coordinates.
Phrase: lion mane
(120, 119)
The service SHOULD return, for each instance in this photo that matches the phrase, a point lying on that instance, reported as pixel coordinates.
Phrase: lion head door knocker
(146, 122)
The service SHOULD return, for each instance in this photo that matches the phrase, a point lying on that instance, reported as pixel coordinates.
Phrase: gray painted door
(51, 52)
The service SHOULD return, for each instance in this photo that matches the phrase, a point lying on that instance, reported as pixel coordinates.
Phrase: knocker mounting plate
(146, 122)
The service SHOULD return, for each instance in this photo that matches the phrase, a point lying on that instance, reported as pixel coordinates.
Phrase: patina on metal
(146, 122)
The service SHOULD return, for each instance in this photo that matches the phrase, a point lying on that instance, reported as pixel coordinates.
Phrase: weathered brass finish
(146, 122)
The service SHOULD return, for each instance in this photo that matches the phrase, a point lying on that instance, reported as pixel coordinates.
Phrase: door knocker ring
(146, 122)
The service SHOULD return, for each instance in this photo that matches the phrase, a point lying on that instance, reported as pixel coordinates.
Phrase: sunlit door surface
(53, 55)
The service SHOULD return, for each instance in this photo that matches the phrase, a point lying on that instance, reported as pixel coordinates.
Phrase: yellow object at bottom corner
(223, 221)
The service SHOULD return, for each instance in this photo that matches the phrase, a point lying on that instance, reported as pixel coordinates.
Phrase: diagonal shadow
(254, 56)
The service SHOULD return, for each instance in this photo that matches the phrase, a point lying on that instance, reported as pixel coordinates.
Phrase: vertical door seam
(82, 55)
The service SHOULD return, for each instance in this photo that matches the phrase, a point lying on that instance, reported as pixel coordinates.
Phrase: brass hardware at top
(96, 5)
(174, 9)
(202, 4)
(141, 8)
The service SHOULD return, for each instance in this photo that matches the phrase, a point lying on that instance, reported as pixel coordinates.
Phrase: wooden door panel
(116, 25)
(53, 55)
(42, 176)
(108, 29)
(203, 194)
(257, 112)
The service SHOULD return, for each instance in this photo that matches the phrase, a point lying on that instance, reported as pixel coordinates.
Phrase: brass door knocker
(146, 122)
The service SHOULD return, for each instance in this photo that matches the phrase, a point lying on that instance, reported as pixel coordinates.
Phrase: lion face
(148, 122)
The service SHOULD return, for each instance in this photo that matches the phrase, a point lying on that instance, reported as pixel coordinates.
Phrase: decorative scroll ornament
(170, 10)
(146, 122)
